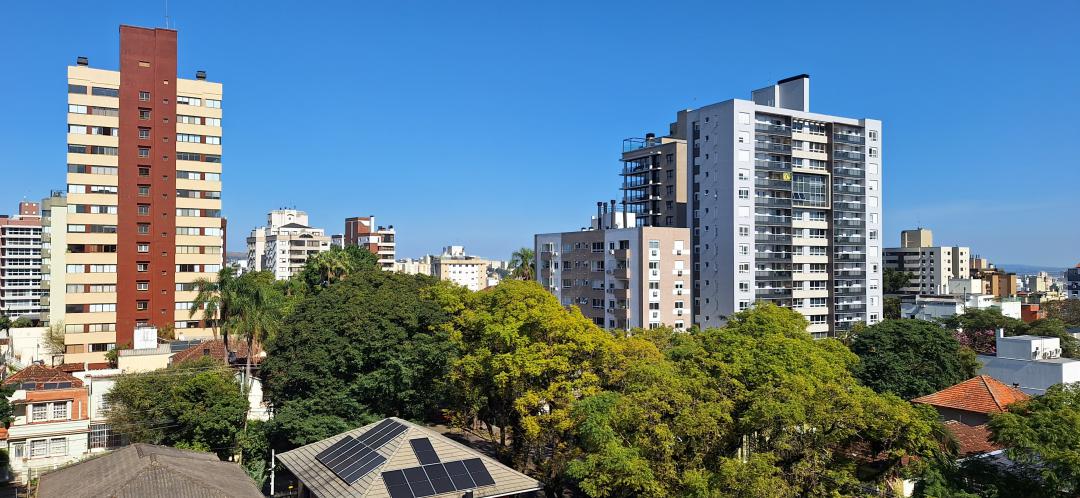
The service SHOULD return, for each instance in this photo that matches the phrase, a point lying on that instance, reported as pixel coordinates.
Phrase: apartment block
(363, 232)
(996, 282)
(654, 179)
(1072, 282)
(53, 268)
(785, 207)
(21, 286)
(931, 266)
(144, 195)
(620, 275)
(462, 269)
(285, 244)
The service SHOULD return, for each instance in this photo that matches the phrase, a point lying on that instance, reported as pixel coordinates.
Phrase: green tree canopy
(22, 322)
(523, 264)
(1066, 310)
(911, 358)
(1042, 435)
(894, 280)
(1053, 327)
(976, 328)
(325, 268)
(196, 404)
(365, 347)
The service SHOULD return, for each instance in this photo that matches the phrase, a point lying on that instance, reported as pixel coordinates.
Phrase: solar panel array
(423, 450)
(437, 478)
(352, 458)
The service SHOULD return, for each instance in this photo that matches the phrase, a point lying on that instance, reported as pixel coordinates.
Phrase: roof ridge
(195, 476)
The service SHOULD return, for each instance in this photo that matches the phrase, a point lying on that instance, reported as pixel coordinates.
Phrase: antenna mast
(167, 14)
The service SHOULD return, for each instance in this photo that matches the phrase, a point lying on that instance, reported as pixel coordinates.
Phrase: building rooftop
(215, 348)
(43, 377)
(395, 458)
(143, 470)
(981, 394)
(971, 439)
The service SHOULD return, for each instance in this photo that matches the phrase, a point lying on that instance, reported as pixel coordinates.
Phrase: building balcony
(849, 172)
(850, 155)
(849, 189)
(632, 144)
(623, 254)
(769, 237)
(772, 201)
(769, 183)
(771, 128)
(849, 138)
(772, 147)
(772, 165)
(623, 273)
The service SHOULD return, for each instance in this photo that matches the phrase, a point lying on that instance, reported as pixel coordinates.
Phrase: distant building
(931, 307)
(54, 212)
(1030, 363)
(381, 241)
(931, 266)
(1072, 282)
(996, 282)
(285, 244)
(1039, 282)
(654, 179)
(620, 276)
(455, 266)
(51, 420)
(395, 458)
(21, 287)
(972, 401)
(337, 240)
(150, 471)
(410, 266)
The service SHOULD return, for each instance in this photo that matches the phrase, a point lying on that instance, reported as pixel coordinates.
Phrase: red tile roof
(3, 433)
(215, 348)
(79, 367)
(41, 374)
(971, 440)
(982, 394)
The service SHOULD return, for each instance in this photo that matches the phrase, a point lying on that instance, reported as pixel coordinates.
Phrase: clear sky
(483, 123)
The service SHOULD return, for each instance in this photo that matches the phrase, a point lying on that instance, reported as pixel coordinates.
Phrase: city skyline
(420, 140)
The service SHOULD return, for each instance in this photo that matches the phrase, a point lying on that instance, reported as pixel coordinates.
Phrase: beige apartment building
(462, 269)
(931, 266)
(621, 276)
(654, 179)
(144, 195)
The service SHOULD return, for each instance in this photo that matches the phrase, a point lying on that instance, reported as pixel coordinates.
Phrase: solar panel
(352, 458)
(437, 478)
(423, 450)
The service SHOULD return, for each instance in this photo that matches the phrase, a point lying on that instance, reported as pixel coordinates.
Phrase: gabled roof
(393, 456)
(982, 394)
(971, 439)
(41, 374)
(215, 348)
(148, 471)
(294, 225)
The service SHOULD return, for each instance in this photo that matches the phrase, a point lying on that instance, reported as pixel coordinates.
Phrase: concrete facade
(284, 245)
(462, 269)
(1030, 363)
(21, 276)
(931, 266)
(785, 207)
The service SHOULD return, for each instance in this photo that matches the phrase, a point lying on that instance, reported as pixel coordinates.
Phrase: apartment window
(142, 285)
(60, 410)
(39, 447)
(76, 109)
(212, 140)
(143, 247)
(744, 193)
(144, 96)
(81, 89)
(817, 302)
(144, 171)
(873, 135)
(142, 305)
(744, 174)
(144, 191)
(144, 228)
(743, 211)
(144, 152)
(744, 118)
(744, 305)
(744, 137)
(744, 267)
(144, 133)
(744, 286)
(188, 100)
(39, 412)
(873, 152)
(744, 249)
(144, 113)
(142, 267)
(105, 92)
(213, 104)
(817, 284)
(144, 210)
(744, 231)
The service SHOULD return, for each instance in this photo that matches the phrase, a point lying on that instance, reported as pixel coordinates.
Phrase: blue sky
(483, 123)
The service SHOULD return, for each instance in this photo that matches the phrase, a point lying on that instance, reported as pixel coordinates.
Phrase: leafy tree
(216, 298)
(910, 358)
(366, 347)
(976, 328)
(891, 308)
(523, 264)
(196, 405)
(894, 280)
(1066, 310)
(54, 338)
(22, 322)
(1042, 436)
(254, 448)
(255, 313)
(5, 323)
(326, 268)
(5, 406)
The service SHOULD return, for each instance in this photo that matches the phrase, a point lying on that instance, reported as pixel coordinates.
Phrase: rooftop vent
(200, 75)
(82, 61)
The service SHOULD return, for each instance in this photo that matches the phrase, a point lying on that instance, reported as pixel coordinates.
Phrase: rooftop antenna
(167, 14)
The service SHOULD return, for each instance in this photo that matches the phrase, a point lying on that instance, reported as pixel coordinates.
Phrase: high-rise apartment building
(654, 179)
(144, 195)
(363, 232)
(462, 269)
(284, 245)
(785, 207)
(21, 287)
(931, 267)
(53, 269)
(620, 275)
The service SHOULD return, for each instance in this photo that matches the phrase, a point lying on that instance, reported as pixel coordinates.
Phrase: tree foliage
(976, 328)
(891, 308)
(523, 264)
(22, 322)
(1066, 310)
(911, 358)
(326, 268)
(366, 347)
(54, 338)
(196, 404)
(1042, 435)
(894, 280)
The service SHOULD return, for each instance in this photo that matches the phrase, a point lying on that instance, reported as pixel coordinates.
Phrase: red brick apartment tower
(147, 103)
(361, 231)
(144, 196)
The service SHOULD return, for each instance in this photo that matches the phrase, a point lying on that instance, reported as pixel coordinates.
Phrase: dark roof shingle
(40, 374)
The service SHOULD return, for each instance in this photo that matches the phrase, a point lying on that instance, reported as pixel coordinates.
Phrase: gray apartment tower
(785, 207)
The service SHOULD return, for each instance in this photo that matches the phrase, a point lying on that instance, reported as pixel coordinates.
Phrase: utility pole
(272, 472)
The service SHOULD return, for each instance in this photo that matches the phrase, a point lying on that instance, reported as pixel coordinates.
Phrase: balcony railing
(772, 128)
(772, 165)
(849, 138)
(772, 146)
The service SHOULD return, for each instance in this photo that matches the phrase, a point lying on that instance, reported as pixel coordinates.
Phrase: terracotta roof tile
(971, 440)
(982, 394)
(40, 374)
(215, 348)
(79, 367)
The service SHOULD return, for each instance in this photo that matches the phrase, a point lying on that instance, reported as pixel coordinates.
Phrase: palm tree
(255, 315)
(217, 300)
(523, 264)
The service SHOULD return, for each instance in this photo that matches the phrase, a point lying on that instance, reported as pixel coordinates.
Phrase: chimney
(200, 75)
(612, 221)
(599, 215)
(82, 61)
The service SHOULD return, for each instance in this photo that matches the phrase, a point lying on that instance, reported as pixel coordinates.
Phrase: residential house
(394, 458)
(148, 471)
(51, 420)
(972, 401)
